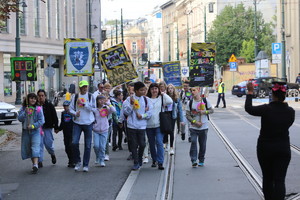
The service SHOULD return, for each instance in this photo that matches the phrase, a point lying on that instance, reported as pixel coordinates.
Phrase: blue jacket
(38, 117)
(177, 109)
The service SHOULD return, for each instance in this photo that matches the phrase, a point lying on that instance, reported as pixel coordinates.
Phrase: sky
(132, 9)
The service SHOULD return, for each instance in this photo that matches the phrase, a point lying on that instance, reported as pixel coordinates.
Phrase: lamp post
(255, 29)
(283, 62)
(122, 33)
(18, 51)
(169, 45)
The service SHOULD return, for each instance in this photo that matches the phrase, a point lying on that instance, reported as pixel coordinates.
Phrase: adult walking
(273, 145)
(51, 121)
(221, 94)
(176, 111)
(185, 96)
(81, 106)
(159, 101)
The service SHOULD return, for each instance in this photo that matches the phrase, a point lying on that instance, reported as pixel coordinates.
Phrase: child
(66, 125)
(100, 127)
(117, 131)
(32, 119)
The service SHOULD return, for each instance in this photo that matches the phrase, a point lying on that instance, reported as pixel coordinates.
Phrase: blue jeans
(100, 140)
(87, 130)
(30, 144)
(155, 138)
(202, 137)
(47, 141)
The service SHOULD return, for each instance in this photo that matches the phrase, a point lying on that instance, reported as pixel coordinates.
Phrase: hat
(66, 103)
(138, 85)
(83, 83)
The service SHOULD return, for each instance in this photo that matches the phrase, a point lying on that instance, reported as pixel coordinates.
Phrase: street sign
(49, 72)
(50, 60)
(276, 48)
(185, 71)
(232, 58)
(233, 66)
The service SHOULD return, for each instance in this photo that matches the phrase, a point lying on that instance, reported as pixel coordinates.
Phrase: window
(37, 18)
(4, 29)
(73, 19)
(7, 83)
(211, 7)
(134, 62)
(48, 21)
(133, 47)
(57, 20)
(22, 21)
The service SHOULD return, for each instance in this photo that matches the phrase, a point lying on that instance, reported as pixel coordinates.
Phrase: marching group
(135, 110)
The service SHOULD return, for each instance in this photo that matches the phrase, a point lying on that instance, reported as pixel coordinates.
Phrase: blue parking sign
(233, 66)
(276, 48)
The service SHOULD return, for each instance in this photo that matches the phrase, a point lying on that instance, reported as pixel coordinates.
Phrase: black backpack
(76, 97)
(204, 100)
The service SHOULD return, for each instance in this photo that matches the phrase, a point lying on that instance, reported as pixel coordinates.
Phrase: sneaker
(146, 160)
(120, 148)
(40, 164)
(53, 159)
(109, 144)
(77, 167)
(171, 151)
(97, 161)
(200, 164)
(190, 140)
(153, 164)
(129, 157)
(34, 170)
(85, 169)
(102, 164)
(160, 166)
(135, 167)
(71, 165)
(182, 136)
(114, 148)
(194, 164)
(216, 106)
(106, 157)
(224, 107)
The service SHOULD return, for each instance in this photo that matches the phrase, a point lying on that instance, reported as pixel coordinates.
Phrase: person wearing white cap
(81, 107)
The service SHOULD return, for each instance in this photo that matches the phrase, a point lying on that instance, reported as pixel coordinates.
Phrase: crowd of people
(134, 110)
(127, 113)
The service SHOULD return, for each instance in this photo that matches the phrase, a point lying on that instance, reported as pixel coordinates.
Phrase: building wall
(47, 43)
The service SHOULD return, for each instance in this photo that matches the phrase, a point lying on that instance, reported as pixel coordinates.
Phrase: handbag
(165, 119)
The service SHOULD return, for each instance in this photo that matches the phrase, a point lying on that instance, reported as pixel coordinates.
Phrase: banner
(23, 68)
(117, 65)
(79, 57)
(202, 64)
(172, 73)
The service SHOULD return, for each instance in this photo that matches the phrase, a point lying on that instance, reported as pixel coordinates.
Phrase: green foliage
(2, 131)
(247, 50)
(233, 32)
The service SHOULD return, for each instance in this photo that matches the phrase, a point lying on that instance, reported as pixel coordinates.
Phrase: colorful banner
(117, 65)
(202, 64)
(172, 73)
(79, 57)
(23, 68)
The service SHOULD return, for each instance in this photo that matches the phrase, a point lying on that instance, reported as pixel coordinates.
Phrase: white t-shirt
(204, 118)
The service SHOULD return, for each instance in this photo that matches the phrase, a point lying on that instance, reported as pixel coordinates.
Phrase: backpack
(76, 97)
(204, 100)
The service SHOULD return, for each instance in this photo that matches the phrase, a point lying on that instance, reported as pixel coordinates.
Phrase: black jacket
(66, 122)
(51, 120)
(276, 119)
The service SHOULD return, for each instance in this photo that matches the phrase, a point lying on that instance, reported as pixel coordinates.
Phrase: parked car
(262, 85)
(8, 113)
(239, 89)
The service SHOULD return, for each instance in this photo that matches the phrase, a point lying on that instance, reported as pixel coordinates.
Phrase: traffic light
(144, 57)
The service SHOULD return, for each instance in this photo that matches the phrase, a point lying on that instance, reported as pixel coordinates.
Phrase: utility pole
(204, 23)
(17, 40)
(188, 42)
(177, 53)
(169, 44)
(116, 31)
(122, 33)
(255, 28)
(283, 63)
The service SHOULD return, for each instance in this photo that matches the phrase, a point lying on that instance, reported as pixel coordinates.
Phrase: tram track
(247, 169)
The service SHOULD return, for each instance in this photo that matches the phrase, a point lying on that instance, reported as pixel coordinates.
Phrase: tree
(235, 26)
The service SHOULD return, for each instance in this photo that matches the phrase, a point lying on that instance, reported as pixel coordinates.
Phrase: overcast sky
(132, 9)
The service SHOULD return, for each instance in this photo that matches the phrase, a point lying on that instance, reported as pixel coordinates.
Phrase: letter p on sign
(276, 48)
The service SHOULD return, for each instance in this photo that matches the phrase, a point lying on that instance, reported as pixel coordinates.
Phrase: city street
(231, 169)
